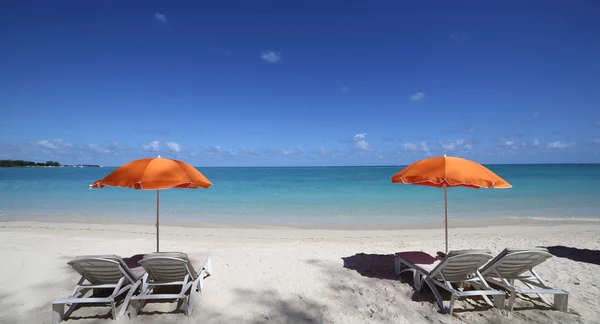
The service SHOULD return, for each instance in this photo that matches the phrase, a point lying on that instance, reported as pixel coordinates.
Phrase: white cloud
(98, 149)
(417, 96)
(360, 142)
(322, 152)
(560, 145)
(214, 149)
(537, 115)
(345, 89)
(458, 145)
(536, 142)
(250, 151)
(62, 143)
(597, 141)
(425, 147)
(411, 147)
(153, 146)
(271, 56)
(174, 147)
(297, 151)
(46, 143)
(160, 17)
(54, 144)
(448, 145)
(506, 142)
(217, 150)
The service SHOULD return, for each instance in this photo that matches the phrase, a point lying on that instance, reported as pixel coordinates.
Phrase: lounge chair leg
(200, 285)
(438, 297)
(58, 313)
(125, 306)
(208, 267)
(186, 304)
(113, 308)
(398, 266)
(499, 301)
(417, 280)
(511, 301)
(134, 307)
(451, 306)
(561, 302)
(190, 306)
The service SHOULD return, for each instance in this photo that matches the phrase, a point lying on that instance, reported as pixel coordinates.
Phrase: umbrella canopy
(155, 174)
(445, 172)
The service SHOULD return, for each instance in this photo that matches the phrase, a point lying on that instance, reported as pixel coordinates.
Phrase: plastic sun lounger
(459, 267)
(170, 269)
(102, 272)
(513, 264)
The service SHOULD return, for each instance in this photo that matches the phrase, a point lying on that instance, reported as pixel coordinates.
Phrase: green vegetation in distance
(23, 164)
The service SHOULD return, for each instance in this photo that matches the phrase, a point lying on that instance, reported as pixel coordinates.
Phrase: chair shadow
(164, 290)
(575, 254)
(381, 266)
(99, 293)
(132, 263)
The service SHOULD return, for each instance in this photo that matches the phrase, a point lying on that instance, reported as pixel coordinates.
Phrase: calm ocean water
(303, 196)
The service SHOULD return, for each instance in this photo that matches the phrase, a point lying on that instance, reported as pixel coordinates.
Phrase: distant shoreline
(47, 166)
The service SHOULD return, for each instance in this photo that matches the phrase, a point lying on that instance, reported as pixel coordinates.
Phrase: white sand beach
(280, 275)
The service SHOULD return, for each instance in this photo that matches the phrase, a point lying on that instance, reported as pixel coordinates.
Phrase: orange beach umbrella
(445, 172)
(155, 174)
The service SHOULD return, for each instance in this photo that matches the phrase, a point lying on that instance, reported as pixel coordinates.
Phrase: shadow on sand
(380, 266)
(575, 254)
(132, 263)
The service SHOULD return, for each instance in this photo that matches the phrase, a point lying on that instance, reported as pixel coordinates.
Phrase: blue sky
(300, 83)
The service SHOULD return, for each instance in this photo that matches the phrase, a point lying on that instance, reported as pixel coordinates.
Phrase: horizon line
(356, 166)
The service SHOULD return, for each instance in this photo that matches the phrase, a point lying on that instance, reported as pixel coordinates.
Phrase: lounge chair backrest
(511, 263)
(167, 267)
(461, 265)
(101, 270)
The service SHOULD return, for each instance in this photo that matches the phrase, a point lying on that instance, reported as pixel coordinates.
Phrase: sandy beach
(282, 275)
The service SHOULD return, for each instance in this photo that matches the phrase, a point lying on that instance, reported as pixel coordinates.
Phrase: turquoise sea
(356, 197)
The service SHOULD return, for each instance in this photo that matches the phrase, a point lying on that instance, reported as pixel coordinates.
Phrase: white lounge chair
(102, 272)
(513, 264)
(170, 269)
(461, 267)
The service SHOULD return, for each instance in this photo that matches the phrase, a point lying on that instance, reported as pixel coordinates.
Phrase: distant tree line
(21, 164)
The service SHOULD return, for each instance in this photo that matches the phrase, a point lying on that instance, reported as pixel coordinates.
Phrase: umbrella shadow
(132, 261)
(575, 254)
(379, 266)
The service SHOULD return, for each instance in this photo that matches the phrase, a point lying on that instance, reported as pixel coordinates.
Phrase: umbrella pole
(446, 216)
(157, 213)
